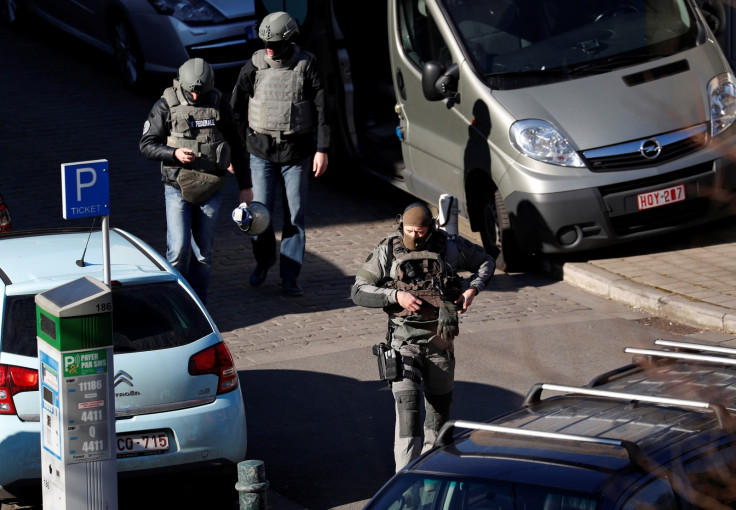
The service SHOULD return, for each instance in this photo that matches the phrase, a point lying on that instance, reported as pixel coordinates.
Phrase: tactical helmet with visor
(277, 31)
(196, 76)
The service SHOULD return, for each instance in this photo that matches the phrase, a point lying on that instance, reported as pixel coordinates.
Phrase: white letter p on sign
(89, 184)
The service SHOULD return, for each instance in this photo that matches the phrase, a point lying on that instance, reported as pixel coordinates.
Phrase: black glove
(447, 321)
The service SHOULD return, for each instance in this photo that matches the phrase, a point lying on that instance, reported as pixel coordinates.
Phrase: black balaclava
(281, 49)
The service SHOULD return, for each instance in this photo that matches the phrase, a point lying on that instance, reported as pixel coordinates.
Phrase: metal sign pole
(106, 250)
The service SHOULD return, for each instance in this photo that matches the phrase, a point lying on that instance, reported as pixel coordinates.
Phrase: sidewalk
(692, 282)
(690, 277)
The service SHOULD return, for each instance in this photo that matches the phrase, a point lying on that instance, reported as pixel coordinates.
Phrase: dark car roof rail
(719, 360)
(725, 420)
(609, 376)
(690, 346)
(679, 347)
(445, 437)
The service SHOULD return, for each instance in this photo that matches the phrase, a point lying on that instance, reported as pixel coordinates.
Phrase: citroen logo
(650, 149)
(123, 377)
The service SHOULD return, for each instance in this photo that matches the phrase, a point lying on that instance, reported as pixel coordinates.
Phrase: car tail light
(216, 360)
(5, 222)
(14, 380)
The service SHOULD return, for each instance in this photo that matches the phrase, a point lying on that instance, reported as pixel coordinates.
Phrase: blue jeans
(190, 233)
(294, 181)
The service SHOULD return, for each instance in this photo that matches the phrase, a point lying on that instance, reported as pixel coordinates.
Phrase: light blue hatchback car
(177, 397)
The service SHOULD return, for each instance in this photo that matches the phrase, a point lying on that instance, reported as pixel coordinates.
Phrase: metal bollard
(252, 485)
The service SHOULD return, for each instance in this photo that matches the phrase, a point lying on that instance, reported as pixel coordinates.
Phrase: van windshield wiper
(607, 64)
(516, 79)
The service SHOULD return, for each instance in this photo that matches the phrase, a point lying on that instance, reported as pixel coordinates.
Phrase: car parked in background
(152, 36)
(656, 434)
(175, 379)
(6, 222)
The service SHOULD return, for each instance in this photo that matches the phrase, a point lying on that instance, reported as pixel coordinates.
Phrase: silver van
(564, 125)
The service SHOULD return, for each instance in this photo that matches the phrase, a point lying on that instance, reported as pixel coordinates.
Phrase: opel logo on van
(650, 149)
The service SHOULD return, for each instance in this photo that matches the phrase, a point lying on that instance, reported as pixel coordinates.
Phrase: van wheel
(128, 56)
(498, 238)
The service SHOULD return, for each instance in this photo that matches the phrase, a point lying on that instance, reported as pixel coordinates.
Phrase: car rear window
(145, 318)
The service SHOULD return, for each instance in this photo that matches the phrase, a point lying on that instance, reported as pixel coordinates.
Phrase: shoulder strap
(170, 97)
(259, 59)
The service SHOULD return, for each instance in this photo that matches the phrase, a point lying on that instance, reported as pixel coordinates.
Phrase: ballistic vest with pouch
(278, 106)
(195, 127)
(424, 274)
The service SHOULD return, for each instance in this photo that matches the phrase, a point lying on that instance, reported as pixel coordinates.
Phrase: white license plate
(660, 197)
(151, 443)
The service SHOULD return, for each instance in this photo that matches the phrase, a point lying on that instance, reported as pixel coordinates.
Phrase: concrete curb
(658, 302)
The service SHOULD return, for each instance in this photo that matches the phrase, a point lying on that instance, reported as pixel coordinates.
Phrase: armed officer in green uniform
(413, 276)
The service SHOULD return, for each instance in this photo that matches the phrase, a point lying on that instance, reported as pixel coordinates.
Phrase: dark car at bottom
(656, 434)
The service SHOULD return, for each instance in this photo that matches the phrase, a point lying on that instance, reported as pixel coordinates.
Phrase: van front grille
(647, 152)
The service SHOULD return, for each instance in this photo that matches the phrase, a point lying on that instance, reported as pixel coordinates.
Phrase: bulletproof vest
(195, 127)
(278, 106)
(424, 274)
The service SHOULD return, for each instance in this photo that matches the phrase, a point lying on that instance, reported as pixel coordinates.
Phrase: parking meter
(78, 455)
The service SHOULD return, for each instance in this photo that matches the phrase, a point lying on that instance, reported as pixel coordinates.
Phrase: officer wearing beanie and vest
(192, 132)
(280, 106)
(413, 276)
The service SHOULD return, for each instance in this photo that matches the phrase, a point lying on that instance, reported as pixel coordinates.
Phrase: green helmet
(196, 75)
(278, 26)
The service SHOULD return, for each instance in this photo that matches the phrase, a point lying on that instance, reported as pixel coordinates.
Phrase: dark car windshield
(524, 43)
(413, 490)
(145, 318)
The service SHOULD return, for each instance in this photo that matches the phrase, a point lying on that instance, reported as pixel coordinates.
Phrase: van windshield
(413, 490)
(523, 43)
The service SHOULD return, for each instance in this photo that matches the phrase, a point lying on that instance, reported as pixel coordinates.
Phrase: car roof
(584, 437)
(33, 261)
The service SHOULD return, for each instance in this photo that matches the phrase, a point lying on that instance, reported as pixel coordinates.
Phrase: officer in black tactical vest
(413, 276)
(192, 132)
(280, 105)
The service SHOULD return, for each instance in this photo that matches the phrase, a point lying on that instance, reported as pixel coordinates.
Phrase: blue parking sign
(85, 189)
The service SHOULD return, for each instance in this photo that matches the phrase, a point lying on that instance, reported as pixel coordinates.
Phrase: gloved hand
(447, 321)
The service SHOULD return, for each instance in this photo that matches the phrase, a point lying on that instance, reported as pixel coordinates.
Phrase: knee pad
(408, 413)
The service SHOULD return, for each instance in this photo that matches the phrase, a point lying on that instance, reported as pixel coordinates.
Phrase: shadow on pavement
(327, 440)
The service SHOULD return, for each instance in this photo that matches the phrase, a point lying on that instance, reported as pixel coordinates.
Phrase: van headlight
(722, 97)
(191, 12)
(540, 140)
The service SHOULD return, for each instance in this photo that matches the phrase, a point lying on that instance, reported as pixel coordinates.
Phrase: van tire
(498, 238)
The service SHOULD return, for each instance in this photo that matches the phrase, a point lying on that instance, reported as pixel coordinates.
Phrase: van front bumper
(592, 218)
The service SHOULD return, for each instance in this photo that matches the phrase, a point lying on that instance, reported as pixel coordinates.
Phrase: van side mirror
(438, 82)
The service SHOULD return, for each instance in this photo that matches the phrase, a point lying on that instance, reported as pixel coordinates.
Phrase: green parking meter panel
(77, 315)
(74, 331)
